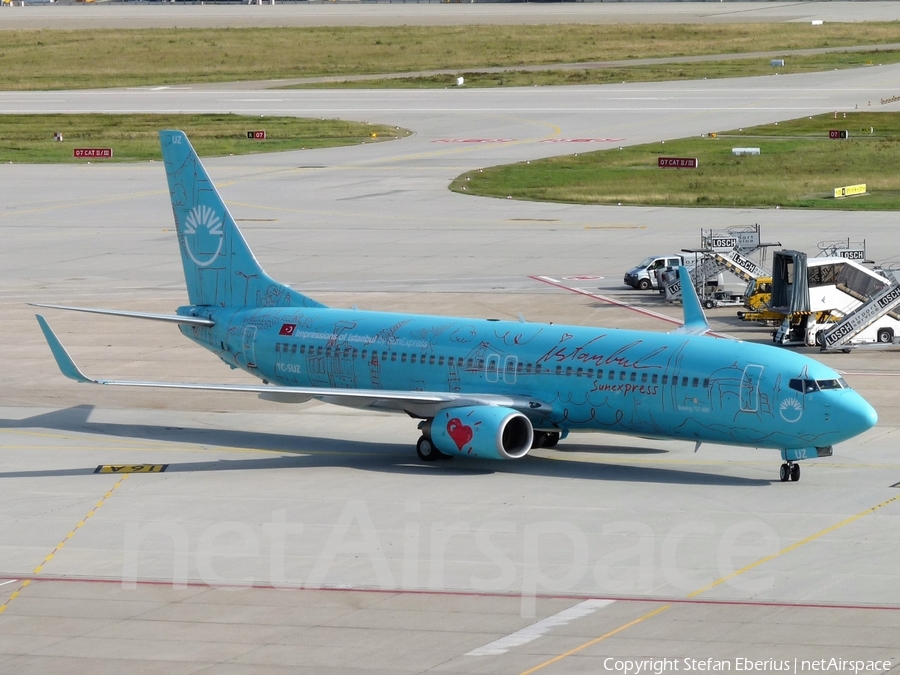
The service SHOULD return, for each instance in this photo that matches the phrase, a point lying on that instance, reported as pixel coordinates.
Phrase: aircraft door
(509, 369)
(492, 368)
(750, 388)
(249, 346)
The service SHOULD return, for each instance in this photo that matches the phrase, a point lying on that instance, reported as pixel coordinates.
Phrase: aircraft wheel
(795, 472)
(785, 473)
(540, 437)
(426, 451)
(551, 440)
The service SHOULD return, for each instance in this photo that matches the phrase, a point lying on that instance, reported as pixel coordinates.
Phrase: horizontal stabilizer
(169, 318)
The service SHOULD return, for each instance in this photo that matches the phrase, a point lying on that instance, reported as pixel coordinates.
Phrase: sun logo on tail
(203, 235)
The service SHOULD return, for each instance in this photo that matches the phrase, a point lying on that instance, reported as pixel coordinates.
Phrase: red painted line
(467, 594)
(618, 303)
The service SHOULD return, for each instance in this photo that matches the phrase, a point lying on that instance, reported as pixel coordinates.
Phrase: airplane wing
(415, 403)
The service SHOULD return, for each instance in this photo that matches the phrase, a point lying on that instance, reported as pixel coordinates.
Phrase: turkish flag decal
(287, 329)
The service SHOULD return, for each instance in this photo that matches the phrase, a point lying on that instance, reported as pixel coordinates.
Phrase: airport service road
(431, 14)
(452, 567)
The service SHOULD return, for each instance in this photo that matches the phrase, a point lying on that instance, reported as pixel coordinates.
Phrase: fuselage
(659, 385)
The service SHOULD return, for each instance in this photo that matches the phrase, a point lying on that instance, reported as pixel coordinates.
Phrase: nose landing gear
(789, 472)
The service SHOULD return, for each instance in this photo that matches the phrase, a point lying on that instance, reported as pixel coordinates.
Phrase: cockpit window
(807, 386)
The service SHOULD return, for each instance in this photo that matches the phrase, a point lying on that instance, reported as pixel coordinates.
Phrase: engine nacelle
(482, 431)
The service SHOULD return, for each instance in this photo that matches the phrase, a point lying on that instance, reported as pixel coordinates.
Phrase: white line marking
(11, 581)
(536, 630)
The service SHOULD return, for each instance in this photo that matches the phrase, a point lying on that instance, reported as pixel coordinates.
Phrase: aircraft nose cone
(857, 416)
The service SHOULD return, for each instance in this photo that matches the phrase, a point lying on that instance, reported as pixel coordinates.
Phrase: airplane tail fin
(219, 267)
(695, 322)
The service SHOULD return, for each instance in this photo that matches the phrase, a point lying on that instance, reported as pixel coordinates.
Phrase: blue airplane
(481, 387)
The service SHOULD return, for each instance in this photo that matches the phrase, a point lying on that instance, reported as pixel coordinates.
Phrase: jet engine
(482, 431)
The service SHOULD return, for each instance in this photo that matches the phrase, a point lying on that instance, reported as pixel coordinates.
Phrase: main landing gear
(427, 452)
(789, 472)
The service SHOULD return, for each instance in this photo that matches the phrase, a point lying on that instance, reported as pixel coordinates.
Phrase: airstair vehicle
(721, 251)
(834, 302)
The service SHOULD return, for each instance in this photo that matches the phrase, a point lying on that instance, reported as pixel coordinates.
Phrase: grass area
(798, 167)
(641, 73)
(66, 59)
(29, 138)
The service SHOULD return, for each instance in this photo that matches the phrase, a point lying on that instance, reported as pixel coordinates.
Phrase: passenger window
(431, 360)
(590, 372)
(599, 373)
(403, 358)
(320, 351)
(643, 378)
(612, 375)
(469, 363)
(441, 361)
(364, 354)
(383, 357)
(568, 371)
(665, 379)
(684, 381)
(706, 383)
(302, 349)
(633, 376)
(654, 378)
(559, 370)
(393, 356)
(622, 376)
(277, 347)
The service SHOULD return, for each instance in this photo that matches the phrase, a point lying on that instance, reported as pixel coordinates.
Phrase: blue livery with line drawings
(485, 388)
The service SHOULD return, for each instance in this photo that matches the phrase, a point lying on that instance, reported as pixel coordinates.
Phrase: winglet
(695, 322)
(63, 360)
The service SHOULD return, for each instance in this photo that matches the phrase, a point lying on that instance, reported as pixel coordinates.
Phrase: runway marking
(37, 570)
(131, 468)
(11, 581)
(536, 630)
(719, 581)
(648, 615)
(795, 546)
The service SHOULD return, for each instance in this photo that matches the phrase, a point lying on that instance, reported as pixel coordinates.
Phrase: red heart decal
(459, 432)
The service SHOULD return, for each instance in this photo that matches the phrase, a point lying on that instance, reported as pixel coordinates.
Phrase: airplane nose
(857, 416)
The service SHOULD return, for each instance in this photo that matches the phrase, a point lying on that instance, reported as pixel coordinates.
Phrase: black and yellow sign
(850, 190)
(131, 468)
